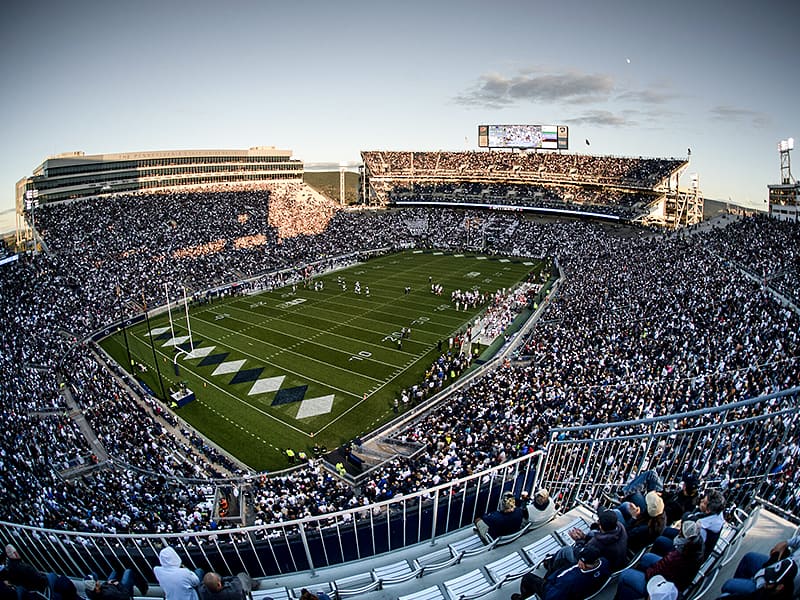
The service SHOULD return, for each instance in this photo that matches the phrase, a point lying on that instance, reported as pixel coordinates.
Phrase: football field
(292, 368)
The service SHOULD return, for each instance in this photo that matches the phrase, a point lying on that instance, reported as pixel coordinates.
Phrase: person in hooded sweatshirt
(176, 581)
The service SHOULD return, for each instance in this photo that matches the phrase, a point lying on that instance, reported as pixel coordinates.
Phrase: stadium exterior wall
(75, 175)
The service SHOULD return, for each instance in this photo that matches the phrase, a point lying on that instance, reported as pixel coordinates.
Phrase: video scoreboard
(546, 137)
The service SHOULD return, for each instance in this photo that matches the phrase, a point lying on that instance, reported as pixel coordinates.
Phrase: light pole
(32, 202)
(124, 329)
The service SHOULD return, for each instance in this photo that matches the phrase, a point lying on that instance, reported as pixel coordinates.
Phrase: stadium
(619, 333)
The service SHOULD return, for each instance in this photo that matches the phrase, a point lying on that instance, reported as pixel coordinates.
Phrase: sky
(330, 79)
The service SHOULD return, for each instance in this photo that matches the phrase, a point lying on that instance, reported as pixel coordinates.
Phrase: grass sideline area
(291, 368)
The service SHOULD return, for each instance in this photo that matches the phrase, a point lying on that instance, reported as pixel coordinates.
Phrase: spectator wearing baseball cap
(659, 588)
(646, 526)
(779, 569)
(779, 579)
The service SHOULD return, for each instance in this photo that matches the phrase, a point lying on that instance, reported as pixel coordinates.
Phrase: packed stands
(643, 325)
(765, 248)
(615, 187)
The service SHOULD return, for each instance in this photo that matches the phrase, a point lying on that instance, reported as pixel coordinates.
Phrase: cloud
(494, 90)
(652, 116)
(647, 96)
(600, 117)
(590, 95)
(739, 115)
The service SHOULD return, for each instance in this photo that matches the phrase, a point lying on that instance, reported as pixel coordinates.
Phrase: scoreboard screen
(547, 137)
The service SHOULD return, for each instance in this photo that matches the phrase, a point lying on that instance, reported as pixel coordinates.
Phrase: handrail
(574, 467)
(687, 415)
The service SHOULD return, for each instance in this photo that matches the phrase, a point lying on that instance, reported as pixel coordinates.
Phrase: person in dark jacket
(645, 526)
(775, 582)
(216, 587)
(608, 535)
(573, 583)
(62, 587)
(679, 566)
(750, 575)
(21, 574)
(7, 591)
(683, 500)
(506, 521)
(110, 589)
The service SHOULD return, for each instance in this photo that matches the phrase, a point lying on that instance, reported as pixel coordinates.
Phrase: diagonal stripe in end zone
(176, 341)
(270, 384)
(315, 406)
(246, 376)
(289, 395)
(229, 367)
(200, 352)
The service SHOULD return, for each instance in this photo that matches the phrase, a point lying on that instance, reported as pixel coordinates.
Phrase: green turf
(337, 343)
(327, 183)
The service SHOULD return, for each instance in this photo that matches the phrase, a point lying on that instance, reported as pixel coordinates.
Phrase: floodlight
(790, 143)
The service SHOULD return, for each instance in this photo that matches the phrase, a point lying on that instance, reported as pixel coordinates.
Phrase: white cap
(659, 588)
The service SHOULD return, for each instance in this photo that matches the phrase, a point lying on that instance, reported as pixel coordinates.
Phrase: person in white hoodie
(177, 582)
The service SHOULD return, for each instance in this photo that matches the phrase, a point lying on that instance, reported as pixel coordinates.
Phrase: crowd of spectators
(763, 247)
(606, 170)
(504, 308)
(606, 185)
(295, 209)
(444, 370)
(595, 199)
(643, 325)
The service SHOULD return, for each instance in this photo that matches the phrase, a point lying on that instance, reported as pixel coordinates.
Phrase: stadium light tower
(342, 167)
(785, 147)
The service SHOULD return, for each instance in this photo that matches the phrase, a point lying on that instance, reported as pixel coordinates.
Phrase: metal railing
(739, 448)
(291, 546)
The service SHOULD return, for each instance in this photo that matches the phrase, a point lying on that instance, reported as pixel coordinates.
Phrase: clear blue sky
(329, 79)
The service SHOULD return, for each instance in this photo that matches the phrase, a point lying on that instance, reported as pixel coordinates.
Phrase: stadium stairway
(380, 450)
(338, 456)
(96, 446)
(371, 453)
